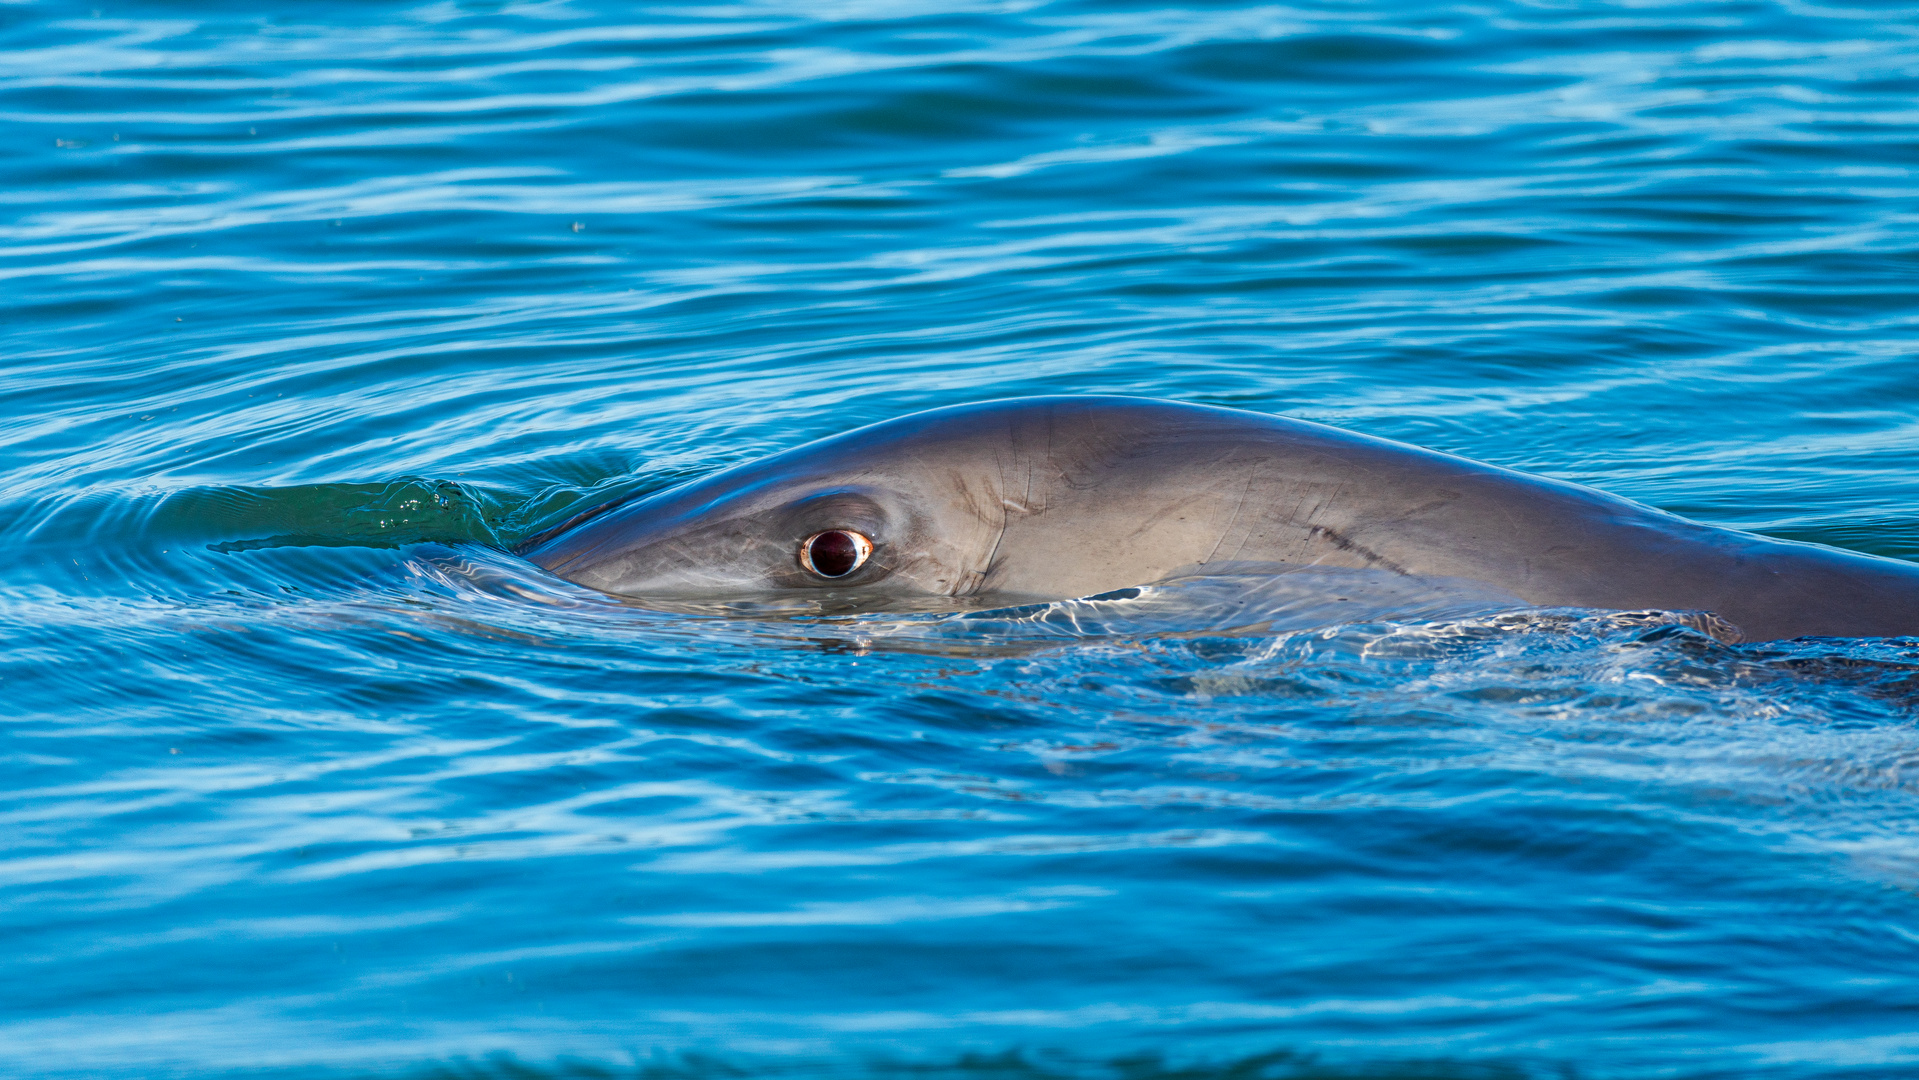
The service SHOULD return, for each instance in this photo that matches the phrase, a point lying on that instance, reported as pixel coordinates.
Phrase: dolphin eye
(835, 553)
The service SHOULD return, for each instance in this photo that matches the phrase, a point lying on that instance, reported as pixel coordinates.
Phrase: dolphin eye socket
(835, 553)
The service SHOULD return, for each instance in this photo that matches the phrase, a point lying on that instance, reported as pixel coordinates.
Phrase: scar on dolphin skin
(1239, 504)
(1424, 514)
(1345, 543)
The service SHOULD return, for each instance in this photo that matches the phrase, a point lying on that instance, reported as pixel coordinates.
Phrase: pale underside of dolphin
(1061, 497)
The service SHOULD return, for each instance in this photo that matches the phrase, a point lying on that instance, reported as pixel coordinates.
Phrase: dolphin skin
(1059, 497)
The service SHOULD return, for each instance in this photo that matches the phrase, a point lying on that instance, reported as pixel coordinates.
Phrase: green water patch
(194, 541)
(389, 515)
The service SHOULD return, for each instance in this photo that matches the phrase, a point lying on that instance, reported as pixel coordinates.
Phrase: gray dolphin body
(1058, 497)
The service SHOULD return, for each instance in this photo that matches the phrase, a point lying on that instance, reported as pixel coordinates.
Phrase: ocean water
(313, 312)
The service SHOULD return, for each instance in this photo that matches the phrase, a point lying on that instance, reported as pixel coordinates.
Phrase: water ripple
(313, 316)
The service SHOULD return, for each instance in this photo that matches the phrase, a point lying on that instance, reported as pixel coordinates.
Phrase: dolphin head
(1029, 498)
(750, 535)
(899, 509)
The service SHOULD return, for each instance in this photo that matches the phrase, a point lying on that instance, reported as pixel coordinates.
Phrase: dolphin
(1059, 497)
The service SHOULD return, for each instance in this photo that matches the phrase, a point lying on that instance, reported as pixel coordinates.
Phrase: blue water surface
(313, 311)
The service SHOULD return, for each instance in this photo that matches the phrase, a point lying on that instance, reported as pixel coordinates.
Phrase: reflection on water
(312, 317)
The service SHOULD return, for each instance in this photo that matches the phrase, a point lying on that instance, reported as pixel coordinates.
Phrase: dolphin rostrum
(1059, 497)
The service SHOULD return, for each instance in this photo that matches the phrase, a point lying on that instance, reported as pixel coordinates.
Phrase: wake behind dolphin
(1051, 498)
